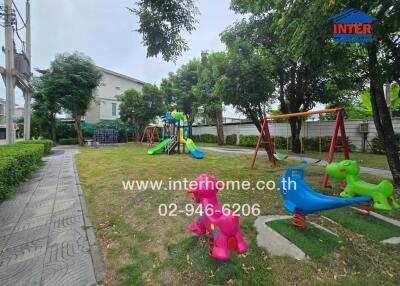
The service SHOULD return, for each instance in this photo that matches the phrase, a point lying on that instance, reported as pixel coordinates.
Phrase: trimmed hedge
(310, 143)
(16, 162)
(248, 140)
(205, 138)
(47, 144)
(68, 141)
(231, 139)
(377, 146)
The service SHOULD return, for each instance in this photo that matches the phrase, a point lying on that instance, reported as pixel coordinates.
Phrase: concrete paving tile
(3, 241)
(32, 222)
(7, 229)
(64, 221)
(28, 235)
(68, 266)
(13, 255)
(28, 272)
(37, 211)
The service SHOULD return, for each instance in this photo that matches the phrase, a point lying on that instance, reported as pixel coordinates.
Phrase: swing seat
(304, 161)
(280, 157)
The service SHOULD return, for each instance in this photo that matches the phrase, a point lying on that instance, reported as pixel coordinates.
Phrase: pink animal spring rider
(223, 226)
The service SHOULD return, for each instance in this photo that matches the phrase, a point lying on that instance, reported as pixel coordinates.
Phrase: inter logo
(352, 26)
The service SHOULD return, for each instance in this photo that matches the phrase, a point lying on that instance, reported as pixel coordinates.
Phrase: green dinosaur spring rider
(381, 194)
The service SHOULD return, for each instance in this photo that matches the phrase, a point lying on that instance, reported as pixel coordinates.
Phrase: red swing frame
(265, 136)
(151, 133)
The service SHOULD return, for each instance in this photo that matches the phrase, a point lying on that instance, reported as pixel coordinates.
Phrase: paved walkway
(45, 235)
(365, 170)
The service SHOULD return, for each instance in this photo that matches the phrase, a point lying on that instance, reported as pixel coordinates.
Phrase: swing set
(150, 135)
(266, 138)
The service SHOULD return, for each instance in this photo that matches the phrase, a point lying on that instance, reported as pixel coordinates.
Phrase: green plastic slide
(159, 148)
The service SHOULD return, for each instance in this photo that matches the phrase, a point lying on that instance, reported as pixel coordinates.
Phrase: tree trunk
(78, 129)
(295, 128)
(53, 131)
(381, 114)
(220, 127)
(53, 128)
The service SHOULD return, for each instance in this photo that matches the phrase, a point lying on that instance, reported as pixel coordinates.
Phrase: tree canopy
(161, 24)
(139, 108)
(70, 83)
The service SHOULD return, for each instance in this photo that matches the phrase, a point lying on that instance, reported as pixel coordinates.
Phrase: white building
(106, 105)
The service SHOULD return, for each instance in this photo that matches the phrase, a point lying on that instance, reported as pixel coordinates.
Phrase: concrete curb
(391, 240)
(95, 252)
(274, 242)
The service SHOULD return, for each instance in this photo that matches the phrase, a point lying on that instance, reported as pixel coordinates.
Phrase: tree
(46, 104)
(211, 70)
(179, 91)
(394, 100)
(304, 69)
(139, 108)
(72, 78)
(161, 24)
(246, 82)
(377, 61)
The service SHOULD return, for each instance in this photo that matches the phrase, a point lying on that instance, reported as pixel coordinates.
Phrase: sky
(105, 31)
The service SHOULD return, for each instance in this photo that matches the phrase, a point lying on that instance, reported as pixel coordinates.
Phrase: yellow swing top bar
(302, 114)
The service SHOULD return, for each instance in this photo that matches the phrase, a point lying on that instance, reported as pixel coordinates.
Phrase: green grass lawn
(315, 242)
(369, 226)
(141, 247)
(365, 159)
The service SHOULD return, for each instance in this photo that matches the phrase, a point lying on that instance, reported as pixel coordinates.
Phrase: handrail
(302, 114)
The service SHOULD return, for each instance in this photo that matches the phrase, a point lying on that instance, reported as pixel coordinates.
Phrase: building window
(114, 109)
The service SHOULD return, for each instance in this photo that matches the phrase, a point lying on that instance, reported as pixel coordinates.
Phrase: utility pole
(28, 92)
(9, 70)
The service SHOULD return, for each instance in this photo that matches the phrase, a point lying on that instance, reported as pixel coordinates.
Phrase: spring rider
(223, 226)
(381, 194)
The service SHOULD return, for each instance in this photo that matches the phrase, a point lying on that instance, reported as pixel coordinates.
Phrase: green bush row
(377, 146)
(248, 140)
(47, 144)
(231, 139)
(16, 162)
(68, 141)
(309, 143)
(205, 138)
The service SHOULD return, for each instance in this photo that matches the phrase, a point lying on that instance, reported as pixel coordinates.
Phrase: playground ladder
(172, 145)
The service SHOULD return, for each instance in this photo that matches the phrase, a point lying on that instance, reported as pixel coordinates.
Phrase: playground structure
(104, 137)
(223, 226)
(301, 200)
(265, 137)
(175, 137)
(150, 135)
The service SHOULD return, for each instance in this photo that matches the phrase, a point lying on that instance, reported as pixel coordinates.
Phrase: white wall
(310, 129)
(112, 86)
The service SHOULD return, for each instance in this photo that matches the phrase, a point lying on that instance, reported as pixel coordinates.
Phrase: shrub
(280, 142)
(248, 140)
(377, 146)
(205, 138)
(16, 162)
(313, 143)
(68, 141)
(231, 139)
(47, 144)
